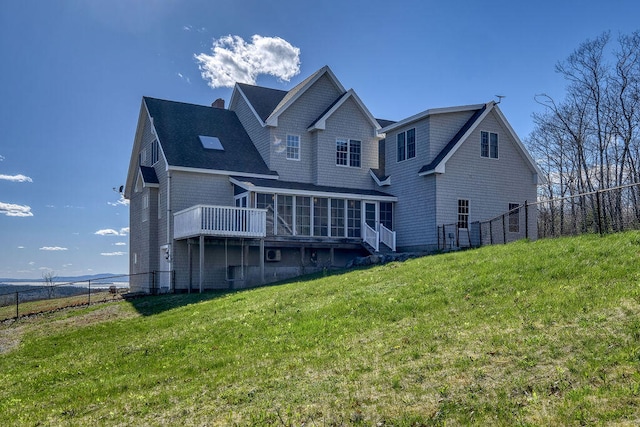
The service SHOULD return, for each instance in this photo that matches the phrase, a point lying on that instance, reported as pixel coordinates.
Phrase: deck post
(201, 253)
(262, 261)
(190, 261)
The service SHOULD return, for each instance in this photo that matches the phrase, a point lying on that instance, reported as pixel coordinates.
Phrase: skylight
(211, 142)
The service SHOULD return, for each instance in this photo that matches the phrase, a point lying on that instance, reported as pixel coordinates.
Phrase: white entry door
(163, 278)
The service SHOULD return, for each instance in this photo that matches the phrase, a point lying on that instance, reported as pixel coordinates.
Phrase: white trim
(272, 120)
(220, 172)
(427, 113)
(321, 123)
(380, 183)
(309, 193)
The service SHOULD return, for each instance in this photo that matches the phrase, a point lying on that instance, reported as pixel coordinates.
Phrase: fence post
(89, 299)
(504, 230)
(17, 305)
(526, 220)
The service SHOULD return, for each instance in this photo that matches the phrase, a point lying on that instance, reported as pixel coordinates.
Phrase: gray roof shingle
(178, 126)
(263, 99)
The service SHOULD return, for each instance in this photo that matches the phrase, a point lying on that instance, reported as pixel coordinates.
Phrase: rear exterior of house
(287, 183)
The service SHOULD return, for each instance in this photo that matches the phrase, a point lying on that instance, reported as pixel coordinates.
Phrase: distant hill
(62, 279)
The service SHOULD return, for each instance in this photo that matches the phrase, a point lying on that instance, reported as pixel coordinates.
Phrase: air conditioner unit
(273, 255)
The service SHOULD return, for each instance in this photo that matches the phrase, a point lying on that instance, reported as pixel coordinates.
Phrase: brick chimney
(218, 103)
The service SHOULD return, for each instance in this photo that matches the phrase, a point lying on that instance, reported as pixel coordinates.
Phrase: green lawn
(530, 333)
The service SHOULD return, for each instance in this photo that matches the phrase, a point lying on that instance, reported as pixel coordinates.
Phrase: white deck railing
(388, 237)
(370, 236)
(222, 221)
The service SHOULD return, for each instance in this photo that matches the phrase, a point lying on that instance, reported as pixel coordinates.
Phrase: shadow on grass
(155, 304)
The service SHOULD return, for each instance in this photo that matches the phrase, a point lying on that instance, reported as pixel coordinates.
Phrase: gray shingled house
(284, 183)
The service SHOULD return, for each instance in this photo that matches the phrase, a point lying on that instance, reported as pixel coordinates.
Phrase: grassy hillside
(530, 333)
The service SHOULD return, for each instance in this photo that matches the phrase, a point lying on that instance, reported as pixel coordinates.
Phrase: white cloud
(15, 178)
(113, 253)
(52, 248)
(20, 247)
(32, 263)
(10, 209)
(111, 232)
(120, 244)
(234, 60)
(121, 202)
(1, 158)
(186, 79)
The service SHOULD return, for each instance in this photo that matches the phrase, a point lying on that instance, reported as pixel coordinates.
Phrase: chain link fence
(600, 211)
(19, 299)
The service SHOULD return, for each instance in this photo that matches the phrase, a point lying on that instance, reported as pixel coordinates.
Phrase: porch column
(201, 278)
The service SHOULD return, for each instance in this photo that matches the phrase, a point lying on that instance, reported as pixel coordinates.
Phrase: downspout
(169, 239)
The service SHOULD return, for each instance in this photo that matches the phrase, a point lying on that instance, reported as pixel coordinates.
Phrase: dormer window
(211, 143)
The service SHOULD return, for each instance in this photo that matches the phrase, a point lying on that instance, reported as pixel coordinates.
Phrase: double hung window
(463, 213)
(406, 145)
(489, 144)
(293, 147)
(348, 152)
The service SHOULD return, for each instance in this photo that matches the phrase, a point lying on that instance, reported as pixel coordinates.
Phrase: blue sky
(74, 73)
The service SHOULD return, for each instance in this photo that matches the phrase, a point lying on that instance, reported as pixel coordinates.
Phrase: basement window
(211, 142)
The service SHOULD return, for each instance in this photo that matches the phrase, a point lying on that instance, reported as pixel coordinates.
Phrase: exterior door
(163, 279)
(371, 215)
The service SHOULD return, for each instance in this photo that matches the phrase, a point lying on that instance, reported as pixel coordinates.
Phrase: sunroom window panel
(266, 201)
(285, 215)
(303, 216)
(337, 218)
(386, 214)
(354, 218)
(320, 216)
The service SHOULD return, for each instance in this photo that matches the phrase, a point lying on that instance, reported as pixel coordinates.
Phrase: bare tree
(49, 280)
(589, 141)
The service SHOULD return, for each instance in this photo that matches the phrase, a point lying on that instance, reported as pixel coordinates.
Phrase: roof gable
(300, 89)
(179, 125)
(439, 162)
